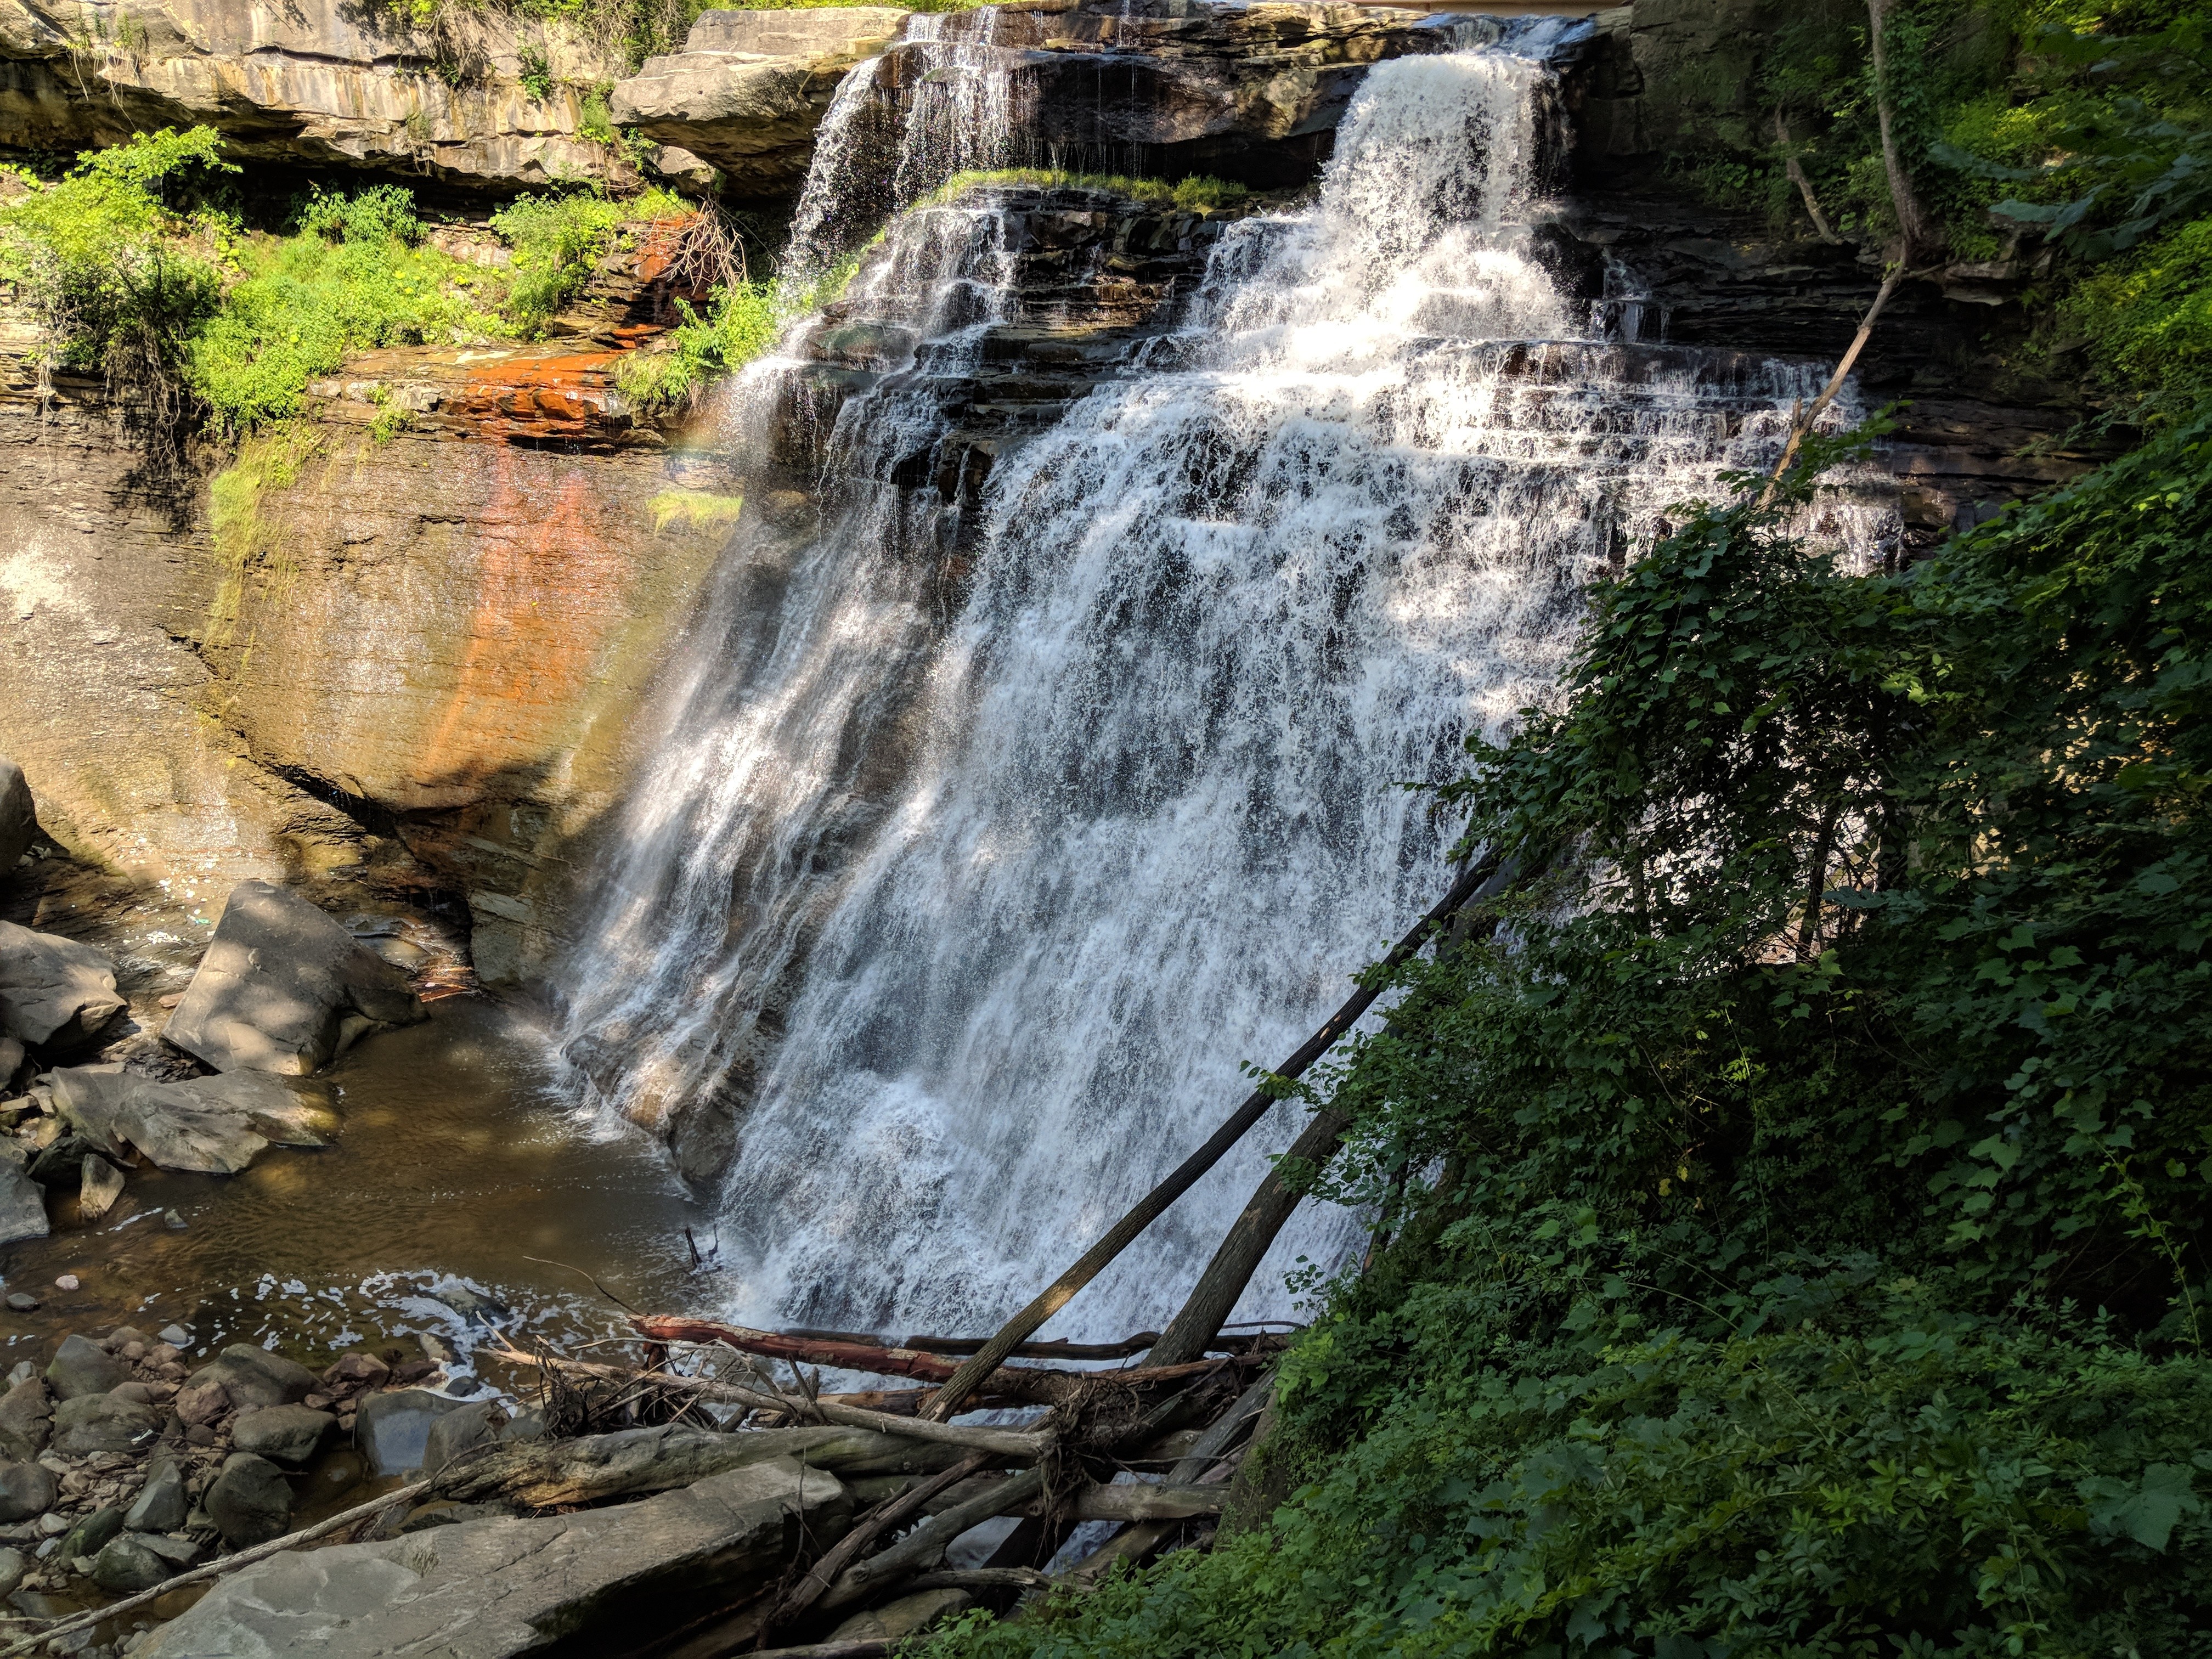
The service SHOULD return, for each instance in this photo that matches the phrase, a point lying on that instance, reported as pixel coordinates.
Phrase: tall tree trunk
(1913, 224)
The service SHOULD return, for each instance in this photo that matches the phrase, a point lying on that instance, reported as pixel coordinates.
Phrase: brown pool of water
(462, 1157)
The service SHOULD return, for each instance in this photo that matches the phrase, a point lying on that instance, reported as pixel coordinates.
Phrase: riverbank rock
(392, 1429)
(125, 1563)
(54, 992)
(81, 1366)
(599, 1581)
(289, 1434)
(100, 1184)
(250, 1502)
(207, 1124)
(26, 1419)
(19, 820)
(26, 1490)
(22, 1204)
(284, 988)
(161, 1505)
(102, 1423)
(750, 88)
(251, 1378)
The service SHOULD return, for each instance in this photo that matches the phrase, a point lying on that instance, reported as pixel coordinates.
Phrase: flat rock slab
(289, 1434)
(252, 1377)
(208, 1125)
(284, 988)
(102, 1423)
(54, 991)
(599, 1581)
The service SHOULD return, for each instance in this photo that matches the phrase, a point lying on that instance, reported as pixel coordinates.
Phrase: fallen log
(921, 1546)
(1015, 1445)
(543, 1474)
(978, 1578)
(1148, 1209)
(322, 1529)
(1138, 1501)
(1030, 1384)
(865, 1531)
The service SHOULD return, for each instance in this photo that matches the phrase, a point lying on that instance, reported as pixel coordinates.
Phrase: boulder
(392, 1429)
(19, 818)
(99, 1184)
(26, 1490)
(284, 988)
(208, 1125)
(11, 1061)
(161, 1505)
(54, 991)
(457, 1431)
(102, 1423)
(61, 1161)
(81, 1366)
(125, 1565)
(250, 1502)
(22, 1205)
(750, 88)
(289, 1434)
(26, 1419)
(91, 1536)
(14, 1566)
(599, 1581)
(252, 1377)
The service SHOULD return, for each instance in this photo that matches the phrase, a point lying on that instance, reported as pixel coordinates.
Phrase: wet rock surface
(486, 1588)
(54, 991)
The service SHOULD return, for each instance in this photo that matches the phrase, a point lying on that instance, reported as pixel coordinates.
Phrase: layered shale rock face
(320, 83)
(750, 88)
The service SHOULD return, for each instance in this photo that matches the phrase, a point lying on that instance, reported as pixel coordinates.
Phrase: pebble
(68, 1282)
(172, 1220)
(176, 1335)
(22, 1301)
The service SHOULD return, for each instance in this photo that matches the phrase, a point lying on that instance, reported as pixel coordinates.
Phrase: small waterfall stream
(974, 918)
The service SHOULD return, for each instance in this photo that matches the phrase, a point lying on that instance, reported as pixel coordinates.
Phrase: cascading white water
(1149, 819)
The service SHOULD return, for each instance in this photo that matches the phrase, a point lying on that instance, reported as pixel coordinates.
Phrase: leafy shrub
(303, 303)
(2148, 316)
(116, 273)
(558, 241)
(740, 323)
(380, 214)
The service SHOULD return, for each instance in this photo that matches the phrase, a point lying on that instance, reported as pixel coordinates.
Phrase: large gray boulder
(54, 992)
(18, 817)
(392, 1429)
(22, 1204)
(209, 1125)
(27, 1490)
(284, 988)
(81, 1366)
(254, 1377)
(750, 88)
(289, 1434)
(250, 1502)
(600, 1581)
(102, 1423)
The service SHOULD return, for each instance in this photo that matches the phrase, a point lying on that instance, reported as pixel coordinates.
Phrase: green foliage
(558, 240)
(2150, 316)
(1815, 1263)
(302, 304)
(536, 75)
(381, 213)
(739, 323)
(116, 270)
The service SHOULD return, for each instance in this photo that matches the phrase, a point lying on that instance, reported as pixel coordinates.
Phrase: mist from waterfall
(1149, 816)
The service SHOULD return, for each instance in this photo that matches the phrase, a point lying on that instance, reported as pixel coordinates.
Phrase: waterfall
(976, 918)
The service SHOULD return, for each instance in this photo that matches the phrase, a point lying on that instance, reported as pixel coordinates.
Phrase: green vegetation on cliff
(1810, 1254)
(137, 265)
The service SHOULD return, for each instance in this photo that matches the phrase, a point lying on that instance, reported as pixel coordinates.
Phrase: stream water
(970, 922)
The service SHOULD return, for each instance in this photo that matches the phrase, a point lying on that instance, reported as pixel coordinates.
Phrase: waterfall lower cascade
(967, 920)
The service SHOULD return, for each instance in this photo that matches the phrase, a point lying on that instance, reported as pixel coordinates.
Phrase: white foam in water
(1152, 822)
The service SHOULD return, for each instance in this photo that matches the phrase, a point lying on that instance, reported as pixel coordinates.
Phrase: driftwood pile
(1149, 1447)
